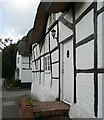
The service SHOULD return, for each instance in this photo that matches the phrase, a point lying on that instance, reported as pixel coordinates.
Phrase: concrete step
(50, 108)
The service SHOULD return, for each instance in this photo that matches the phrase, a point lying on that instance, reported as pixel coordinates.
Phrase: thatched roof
(21, 46)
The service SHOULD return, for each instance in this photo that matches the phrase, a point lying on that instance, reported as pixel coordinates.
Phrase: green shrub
(16, 83)
(12, 82)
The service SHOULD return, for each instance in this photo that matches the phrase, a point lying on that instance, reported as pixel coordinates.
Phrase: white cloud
(17, 17)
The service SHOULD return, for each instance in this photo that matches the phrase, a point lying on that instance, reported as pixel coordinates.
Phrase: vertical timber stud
(40, 72)
(74, 50)
(59, 56)
(50, 59)
(95, 61)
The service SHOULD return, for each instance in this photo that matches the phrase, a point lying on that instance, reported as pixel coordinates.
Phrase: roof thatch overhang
(28, 41)
(21, 46)
(39, 28)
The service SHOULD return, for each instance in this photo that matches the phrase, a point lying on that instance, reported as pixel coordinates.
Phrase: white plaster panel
(43, 49)
(55, 56)
(76, 111)
(100, 40)
(64, 32)
(37, 77)
(100, 51)
(81, 7)
(42, 78)
(46, 43)
(55, 86)
(42, 93)
(85, 27)
(32, 55)
(47, 82)
(33, 77)
(20, 67)
(99, 5)
(33, 66)
(26, 76)
(85, 56)
(25, 59)
(53, 42)
(85, 92)
(42, 63)
(58, 15)
(25, 65)
(37, 50)
(69, 16)
(100, 24)
(100, 95)
(55, 70)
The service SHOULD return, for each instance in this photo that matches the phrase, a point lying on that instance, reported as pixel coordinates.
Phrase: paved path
(10, 102)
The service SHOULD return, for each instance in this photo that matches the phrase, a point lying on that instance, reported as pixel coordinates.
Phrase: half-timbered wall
(83, 23)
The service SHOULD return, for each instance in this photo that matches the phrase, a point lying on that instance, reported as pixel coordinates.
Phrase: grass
(31, 101)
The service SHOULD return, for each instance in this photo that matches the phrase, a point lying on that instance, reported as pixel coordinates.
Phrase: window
(47, 63)
(52, 18)
(18, 60)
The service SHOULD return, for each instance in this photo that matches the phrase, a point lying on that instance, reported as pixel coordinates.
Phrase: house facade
(23, 70)
(67, 56)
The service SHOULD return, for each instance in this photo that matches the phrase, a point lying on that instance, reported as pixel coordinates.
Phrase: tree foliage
(8, 61)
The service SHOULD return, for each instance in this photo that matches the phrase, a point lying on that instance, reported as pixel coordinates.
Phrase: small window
(47, 63)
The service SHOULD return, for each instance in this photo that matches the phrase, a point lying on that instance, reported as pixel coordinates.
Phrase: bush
(12, 82)
(16, 83)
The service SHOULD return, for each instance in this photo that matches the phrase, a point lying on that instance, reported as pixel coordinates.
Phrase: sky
(17, 18)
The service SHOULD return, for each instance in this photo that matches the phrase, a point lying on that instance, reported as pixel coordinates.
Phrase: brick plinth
(50, 110)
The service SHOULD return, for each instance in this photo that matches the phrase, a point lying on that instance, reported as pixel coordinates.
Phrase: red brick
(26, 110)
(50, 108)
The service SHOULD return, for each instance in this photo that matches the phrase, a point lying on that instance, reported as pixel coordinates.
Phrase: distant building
(23, 66)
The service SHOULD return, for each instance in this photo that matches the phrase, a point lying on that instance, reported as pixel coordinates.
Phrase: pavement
(11, 101)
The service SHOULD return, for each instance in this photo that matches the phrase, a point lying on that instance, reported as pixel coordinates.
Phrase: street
(10, 102)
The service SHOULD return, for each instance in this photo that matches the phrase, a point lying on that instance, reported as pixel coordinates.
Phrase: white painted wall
(85, 60)
(85, 92)
(41, 85)
(25, 75)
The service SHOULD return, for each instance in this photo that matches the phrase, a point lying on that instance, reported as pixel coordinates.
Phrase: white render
(22, 64)
(44, 88)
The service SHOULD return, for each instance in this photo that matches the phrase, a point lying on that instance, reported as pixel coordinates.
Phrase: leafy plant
(30, 101)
